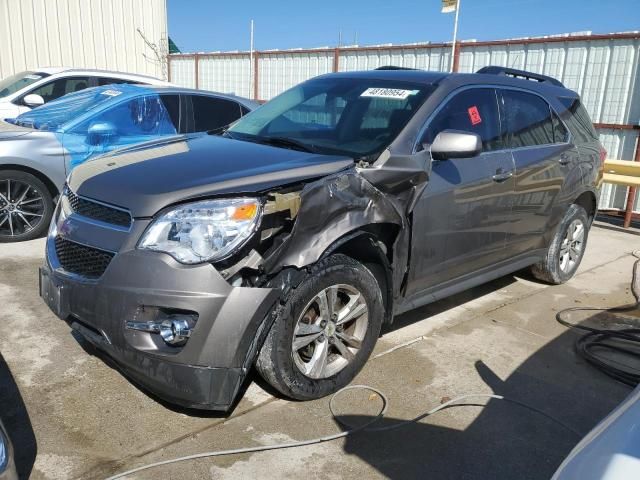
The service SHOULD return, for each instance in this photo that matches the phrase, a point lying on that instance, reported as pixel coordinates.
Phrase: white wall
(82, 33)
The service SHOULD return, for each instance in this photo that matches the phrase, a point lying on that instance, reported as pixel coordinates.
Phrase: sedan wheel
(25, 207)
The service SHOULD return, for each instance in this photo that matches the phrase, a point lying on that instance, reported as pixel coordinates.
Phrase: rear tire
(26, 206)
(324, 332)
(567, 248)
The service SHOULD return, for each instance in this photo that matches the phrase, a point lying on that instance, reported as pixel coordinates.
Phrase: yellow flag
(449, 6)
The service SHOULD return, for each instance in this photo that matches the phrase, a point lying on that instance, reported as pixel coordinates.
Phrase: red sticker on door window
(474, 115)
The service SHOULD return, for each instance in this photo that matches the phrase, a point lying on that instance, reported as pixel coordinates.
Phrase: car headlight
(203, 231)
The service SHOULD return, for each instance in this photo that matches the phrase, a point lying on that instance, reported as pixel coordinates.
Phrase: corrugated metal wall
(82, 33)
(279, 72)
(604, 70)
(437, 59)
(225, 74)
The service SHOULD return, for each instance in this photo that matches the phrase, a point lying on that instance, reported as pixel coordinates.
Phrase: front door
(461, 221)
(133, 121)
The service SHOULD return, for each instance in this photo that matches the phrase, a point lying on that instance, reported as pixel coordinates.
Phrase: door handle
(501, 176)
(564, 159)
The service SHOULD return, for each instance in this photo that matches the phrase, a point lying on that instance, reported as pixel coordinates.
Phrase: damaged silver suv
(289, 240)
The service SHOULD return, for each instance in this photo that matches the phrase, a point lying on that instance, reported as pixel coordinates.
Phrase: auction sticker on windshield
(395, 93)
(111, 93)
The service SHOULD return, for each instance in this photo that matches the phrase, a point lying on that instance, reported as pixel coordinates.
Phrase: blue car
(38, 149)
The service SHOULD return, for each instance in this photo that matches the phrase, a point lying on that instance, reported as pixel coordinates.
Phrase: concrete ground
(73, 416)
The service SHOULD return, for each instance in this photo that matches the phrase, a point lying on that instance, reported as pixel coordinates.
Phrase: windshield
(18, 81)
(357, 117)
(53, 115)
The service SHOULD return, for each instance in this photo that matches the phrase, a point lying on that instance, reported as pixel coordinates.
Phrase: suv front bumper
(208, 370)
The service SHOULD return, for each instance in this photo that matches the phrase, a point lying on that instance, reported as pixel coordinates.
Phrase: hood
(9, 130)
(149, 177)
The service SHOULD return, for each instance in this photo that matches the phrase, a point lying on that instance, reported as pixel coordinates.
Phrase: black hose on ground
(597, 345)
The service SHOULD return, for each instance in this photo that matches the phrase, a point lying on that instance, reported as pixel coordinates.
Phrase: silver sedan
(38, 149)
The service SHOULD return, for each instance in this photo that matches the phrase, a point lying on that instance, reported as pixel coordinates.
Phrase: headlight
(203, 231)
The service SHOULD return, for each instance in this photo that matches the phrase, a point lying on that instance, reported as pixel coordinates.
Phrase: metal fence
(603, 69)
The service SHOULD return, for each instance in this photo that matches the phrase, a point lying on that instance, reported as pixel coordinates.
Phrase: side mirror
(101, 133)
(455, 144)
(33, 100)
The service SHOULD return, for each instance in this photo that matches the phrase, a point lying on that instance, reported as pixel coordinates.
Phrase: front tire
(324, 332)
(26, 206)
(567, 248)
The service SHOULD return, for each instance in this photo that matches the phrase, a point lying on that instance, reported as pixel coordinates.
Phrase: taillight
(603, 154)
(603, 158)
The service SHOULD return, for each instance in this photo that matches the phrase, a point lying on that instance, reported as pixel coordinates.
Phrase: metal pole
(455, 35)
(196, 70)
(251, 72)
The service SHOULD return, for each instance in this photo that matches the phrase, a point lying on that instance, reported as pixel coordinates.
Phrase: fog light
(175, 332)
(174, 326)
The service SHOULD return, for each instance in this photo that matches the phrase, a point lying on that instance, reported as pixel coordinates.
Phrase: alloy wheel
(330, 331)
(22, 207)
(572, 246)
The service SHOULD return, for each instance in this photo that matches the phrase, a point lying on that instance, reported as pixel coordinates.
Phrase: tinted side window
(58, 88)
(528, 119)
(114, 81)
(172, 106)
(212, 113)
(577, 119)
(475, 111)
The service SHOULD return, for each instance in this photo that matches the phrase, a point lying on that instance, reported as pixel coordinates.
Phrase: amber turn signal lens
(245, 212)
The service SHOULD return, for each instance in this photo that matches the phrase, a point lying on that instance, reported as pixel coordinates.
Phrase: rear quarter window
(577, 119)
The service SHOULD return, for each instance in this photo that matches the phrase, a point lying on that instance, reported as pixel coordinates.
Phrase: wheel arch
(588, 201)
(51, 186)
(372, 245)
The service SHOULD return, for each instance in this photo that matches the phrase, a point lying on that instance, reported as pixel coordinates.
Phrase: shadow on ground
(15, 418)
(454, 301)
(506, 440)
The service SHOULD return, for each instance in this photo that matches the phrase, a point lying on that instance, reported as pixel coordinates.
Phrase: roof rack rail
(393, 67)
(512, 72)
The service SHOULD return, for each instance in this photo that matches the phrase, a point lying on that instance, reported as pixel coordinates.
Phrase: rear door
(543, 157)
(461, 221)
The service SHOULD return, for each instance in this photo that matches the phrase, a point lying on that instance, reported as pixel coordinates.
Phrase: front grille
(81, 260)
(97, 211)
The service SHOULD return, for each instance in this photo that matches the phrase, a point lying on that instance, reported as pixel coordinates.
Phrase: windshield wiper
(220, 131)
(285, 142)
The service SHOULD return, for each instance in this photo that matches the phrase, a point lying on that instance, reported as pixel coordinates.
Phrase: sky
(208, 25)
